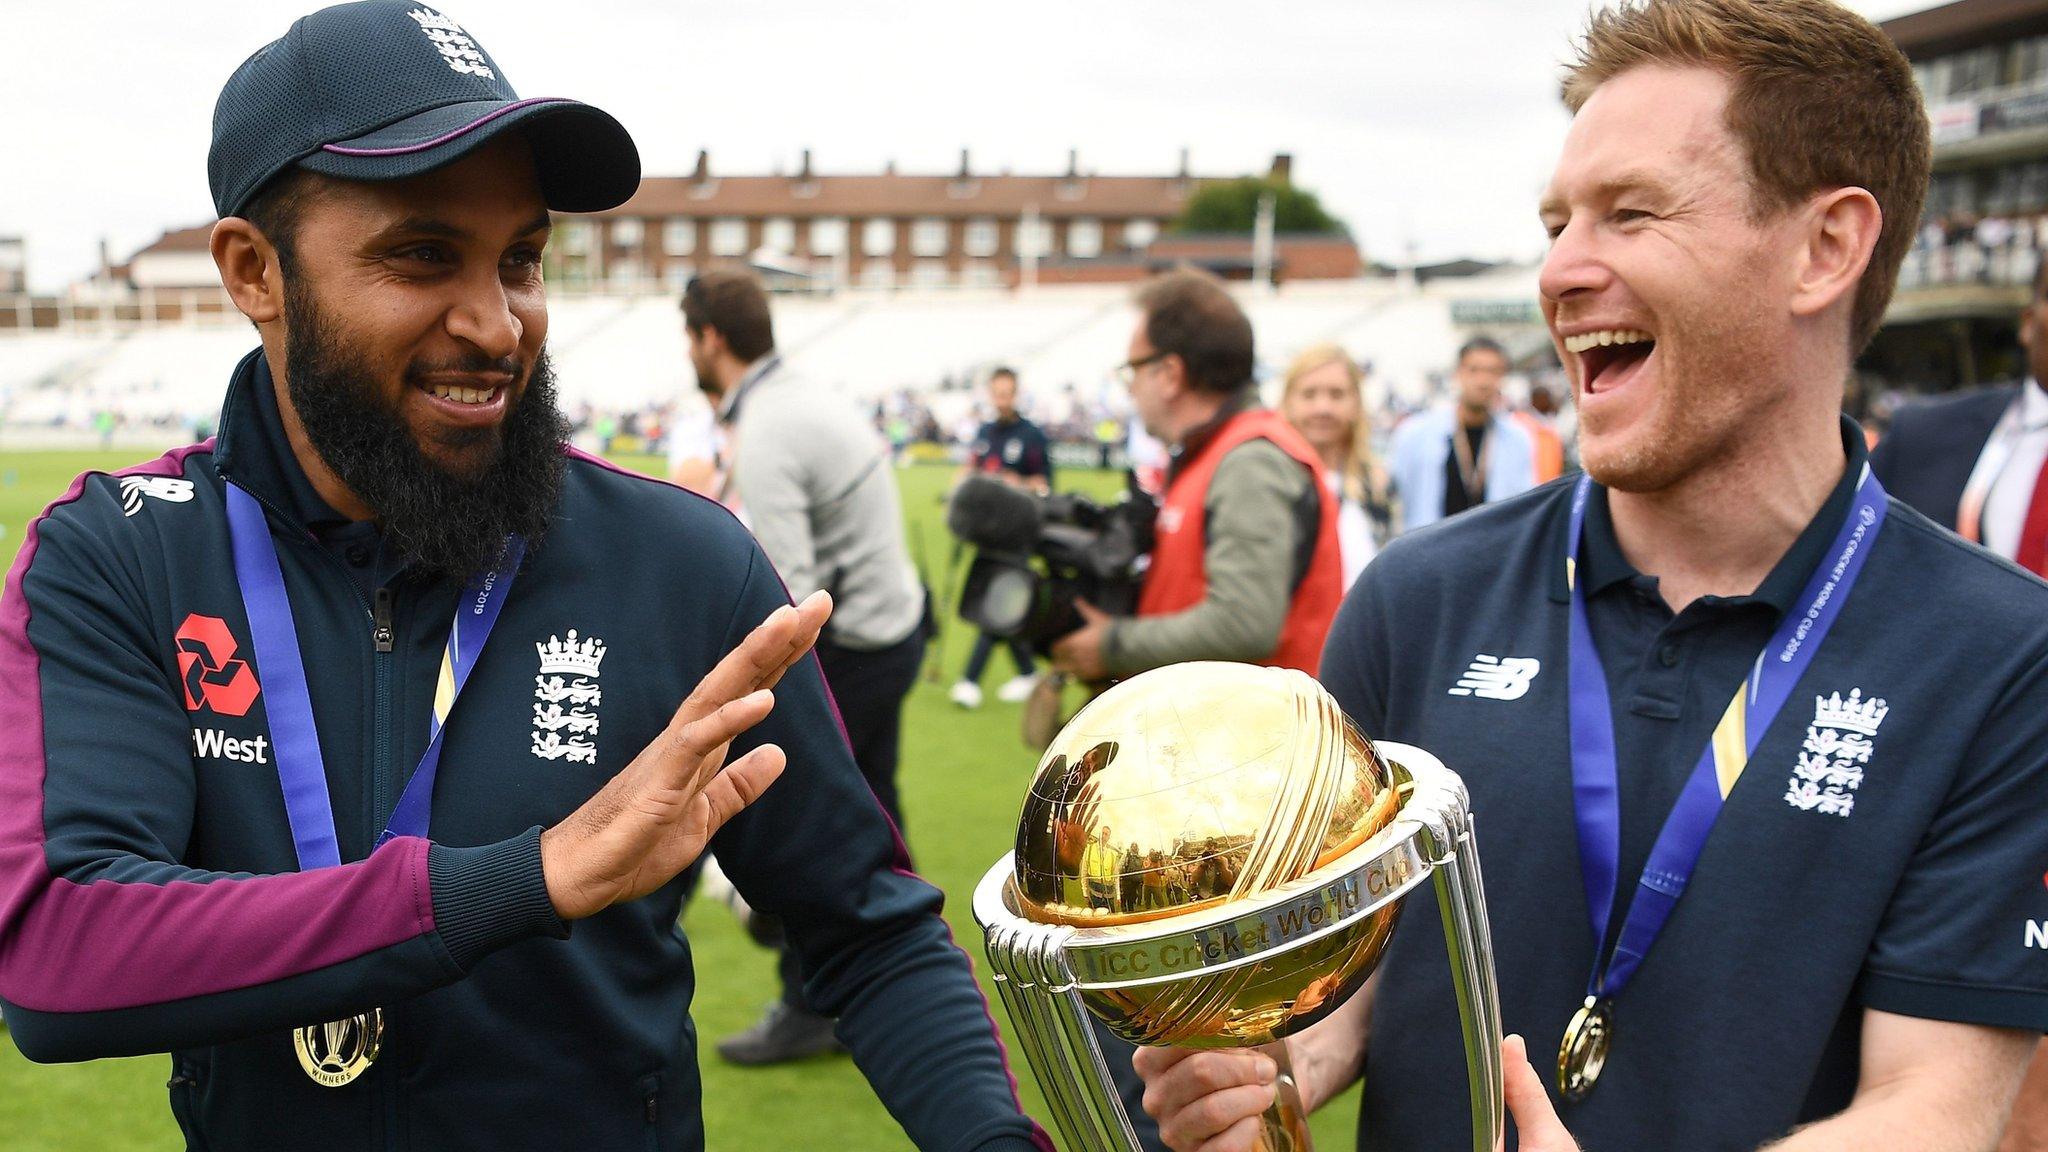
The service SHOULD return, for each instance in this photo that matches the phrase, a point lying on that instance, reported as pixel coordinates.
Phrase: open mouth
(1611, 356)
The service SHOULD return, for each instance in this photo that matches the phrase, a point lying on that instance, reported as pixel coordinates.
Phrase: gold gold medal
(335, 1053)
(1584, 1051)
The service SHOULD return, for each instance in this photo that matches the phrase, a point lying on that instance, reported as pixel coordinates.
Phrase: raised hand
(654, 818)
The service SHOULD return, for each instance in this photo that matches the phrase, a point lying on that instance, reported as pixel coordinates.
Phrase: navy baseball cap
(386, 89)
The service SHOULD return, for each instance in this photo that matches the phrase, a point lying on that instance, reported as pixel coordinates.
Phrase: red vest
(1177, 581)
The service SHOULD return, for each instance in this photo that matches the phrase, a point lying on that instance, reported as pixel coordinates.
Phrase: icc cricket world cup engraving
(1212, 856)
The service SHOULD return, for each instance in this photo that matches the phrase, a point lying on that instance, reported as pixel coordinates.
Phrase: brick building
(883, 230)
(895, 229)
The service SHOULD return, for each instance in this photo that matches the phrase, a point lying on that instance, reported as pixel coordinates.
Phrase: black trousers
(869, 687)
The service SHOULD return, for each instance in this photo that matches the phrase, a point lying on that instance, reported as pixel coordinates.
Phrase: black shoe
(782, 1034)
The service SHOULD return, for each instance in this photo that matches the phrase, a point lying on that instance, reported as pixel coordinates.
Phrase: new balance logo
(1498, 677)
(2037, 934)
(166, 488)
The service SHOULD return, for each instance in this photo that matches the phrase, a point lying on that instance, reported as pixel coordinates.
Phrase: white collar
(2033, 405)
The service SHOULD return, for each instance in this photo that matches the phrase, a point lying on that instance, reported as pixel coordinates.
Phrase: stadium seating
(628, 353)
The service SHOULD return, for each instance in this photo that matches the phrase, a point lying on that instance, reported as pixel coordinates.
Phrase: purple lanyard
(289, 706)
(1595, 791)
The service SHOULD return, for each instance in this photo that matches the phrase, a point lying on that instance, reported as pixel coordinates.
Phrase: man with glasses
(1245, 565)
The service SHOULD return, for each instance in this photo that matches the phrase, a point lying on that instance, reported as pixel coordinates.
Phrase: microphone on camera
(992, 515)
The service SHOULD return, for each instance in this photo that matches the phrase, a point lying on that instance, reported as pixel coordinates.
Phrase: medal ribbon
(1748, 716)
(289, 705)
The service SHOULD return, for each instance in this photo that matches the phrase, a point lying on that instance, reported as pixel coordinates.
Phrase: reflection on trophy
(1212, 856)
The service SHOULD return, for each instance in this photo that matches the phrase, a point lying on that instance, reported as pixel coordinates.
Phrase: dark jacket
(150, 898)
(1927, 456)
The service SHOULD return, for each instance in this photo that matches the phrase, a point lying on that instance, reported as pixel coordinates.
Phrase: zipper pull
(381, 631)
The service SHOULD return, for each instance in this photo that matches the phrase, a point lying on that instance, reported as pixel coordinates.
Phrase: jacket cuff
(488, 897)
(1115, 660)
(1007, 1138)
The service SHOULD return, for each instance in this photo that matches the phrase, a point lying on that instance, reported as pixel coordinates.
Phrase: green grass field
(963, 779)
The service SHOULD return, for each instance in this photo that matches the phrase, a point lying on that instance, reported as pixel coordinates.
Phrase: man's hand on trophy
(1536, 1121)
(1207, 1101)
(654, 818)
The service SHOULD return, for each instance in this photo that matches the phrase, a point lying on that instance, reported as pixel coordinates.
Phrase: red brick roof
(197, 238)
(1154, 197)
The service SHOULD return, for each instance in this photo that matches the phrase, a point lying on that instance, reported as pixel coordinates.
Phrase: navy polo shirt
(1884, 848)
(1016, 446)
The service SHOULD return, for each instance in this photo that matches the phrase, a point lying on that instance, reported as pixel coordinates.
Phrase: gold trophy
(1212, 856)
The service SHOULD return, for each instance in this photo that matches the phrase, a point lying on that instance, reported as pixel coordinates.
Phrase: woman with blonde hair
(1324, 399)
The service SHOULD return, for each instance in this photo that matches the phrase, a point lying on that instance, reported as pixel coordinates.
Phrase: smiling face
(1665, 291)
(409, 350)
(433, 287)
(1323, 406)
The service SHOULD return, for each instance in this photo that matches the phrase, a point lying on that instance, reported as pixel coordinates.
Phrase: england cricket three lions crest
(566, 698)
(1835, 753)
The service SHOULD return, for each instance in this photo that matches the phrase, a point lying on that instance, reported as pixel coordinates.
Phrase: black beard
(453, 524)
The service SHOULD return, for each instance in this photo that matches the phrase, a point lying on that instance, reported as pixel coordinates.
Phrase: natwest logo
(214, 678)
(2037, 930)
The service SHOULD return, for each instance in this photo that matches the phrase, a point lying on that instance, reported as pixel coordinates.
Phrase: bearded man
(1757, 754)
(237, 674)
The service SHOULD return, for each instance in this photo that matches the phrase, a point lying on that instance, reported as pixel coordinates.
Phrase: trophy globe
(1212, 856)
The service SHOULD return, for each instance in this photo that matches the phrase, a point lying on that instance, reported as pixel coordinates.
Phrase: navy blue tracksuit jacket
(149, 894)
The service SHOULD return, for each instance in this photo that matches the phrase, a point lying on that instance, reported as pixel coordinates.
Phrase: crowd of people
(228, 829)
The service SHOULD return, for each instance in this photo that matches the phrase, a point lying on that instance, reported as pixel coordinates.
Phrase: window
(1034, 237)
(2030, 61)
(728, 236)
(572, 237)
(981, 274)
(929, 274)
(679, 275)
(679, 236)
(1084, 238)
(982, 237)
(778, 234)
(878, 237)
(1141, 233)
(623, 271)
(626, 232)
(878, 274)
(928, 237)
(1977, 70)
(828, 236)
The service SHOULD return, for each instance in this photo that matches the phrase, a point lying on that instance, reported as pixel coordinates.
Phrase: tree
(1233, 206)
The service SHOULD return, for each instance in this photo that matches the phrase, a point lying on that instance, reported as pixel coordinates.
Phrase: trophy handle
(1469, 939)
(1037, 987)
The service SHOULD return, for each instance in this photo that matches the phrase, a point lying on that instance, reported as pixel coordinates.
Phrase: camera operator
(1015, 451)
(1246, 565)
